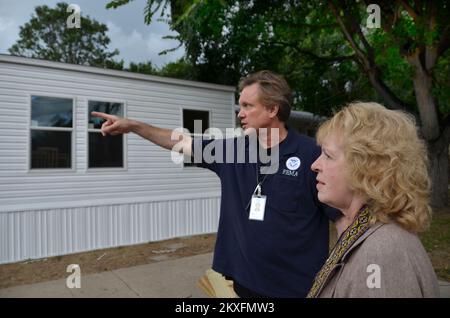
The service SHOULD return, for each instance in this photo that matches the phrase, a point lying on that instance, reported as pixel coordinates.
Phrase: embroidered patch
(293, 163)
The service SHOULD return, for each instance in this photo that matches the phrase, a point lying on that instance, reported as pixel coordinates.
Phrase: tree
(420, 33)
(143, 68)
(330, 56)
(181, 69)
(224, 42)
(46, 36)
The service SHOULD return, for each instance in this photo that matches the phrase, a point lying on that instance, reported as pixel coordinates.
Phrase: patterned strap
(359, 226)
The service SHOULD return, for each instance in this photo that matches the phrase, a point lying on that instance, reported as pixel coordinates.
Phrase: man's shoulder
(306, 145)
(307, 142)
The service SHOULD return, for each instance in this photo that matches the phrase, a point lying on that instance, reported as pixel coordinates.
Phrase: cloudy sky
(135, 40)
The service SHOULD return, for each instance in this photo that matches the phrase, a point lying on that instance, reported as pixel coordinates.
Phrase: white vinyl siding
(45, 233)
(149, 178)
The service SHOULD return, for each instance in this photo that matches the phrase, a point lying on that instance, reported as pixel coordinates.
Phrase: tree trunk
(437, 140)
(427, 106)
(438, 158)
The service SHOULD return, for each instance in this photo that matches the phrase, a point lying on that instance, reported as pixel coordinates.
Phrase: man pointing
(273, 232)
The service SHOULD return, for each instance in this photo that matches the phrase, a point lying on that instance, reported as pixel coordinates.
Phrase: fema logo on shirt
(293, 163)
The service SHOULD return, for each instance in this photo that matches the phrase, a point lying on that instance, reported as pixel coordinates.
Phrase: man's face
(252, 113)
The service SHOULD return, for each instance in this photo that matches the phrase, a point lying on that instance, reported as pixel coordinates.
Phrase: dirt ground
(52, 268)
(436, 241)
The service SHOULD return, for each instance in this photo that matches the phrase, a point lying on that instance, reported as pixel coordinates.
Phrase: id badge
(257, 207)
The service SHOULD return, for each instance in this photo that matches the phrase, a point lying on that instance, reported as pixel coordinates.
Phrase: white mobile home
(64, 188)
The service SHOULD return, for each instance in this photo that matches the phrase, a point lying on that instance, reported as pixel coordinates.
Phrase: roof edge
(103, 71)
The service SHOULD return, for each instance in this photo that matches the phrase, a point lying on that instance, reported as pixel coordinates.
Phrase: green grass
(438, 235)
(436, 241)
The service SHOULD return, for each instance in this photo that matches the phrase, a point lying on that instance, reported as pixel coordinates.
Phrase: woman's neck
(348, 215)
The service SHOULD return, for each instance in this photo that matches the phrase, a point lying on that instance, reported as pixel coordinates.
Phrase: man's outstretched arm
(165, 138)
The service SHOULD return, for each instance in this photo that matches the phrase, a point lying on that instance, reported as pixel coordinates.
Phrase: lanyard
(258, 185)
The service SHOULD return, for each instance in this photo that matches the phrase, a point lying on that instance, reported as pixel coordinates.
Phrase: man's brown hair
(273, 90)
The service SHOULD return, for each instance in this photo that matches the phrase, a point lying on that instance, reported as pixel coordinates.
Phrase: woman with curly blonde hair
(373, 168)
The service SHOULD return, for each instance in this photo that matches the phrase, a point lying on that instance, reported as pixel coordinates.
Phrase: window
(51, 132)
(189, 118)
(104, 152)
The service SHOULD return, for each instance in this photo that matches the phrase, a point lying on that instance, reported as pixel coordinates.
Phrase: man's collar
(289, 145)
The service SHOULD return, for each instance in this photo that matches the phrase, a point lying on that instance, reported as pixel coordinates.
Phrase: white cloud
(9, 33)
(135, 46)
(6, 23)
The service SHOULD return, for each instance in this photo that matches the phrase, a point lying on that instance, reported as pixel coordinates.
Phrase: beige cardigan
(386, 261)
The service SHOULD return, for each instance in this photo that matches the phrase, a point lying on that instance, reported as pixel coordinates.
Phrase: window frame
(89, 130)
(72, 131)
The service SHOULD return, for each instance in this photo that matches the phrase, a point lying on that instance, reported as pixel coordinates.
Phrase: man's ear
(273, 110)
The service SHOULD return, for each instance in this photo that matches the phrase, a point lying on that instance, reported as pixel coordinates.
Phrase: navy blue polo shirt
(280, 256)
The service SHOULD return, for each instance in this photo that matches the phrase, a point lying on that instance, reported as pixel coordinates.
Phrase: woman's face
(332, 184)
